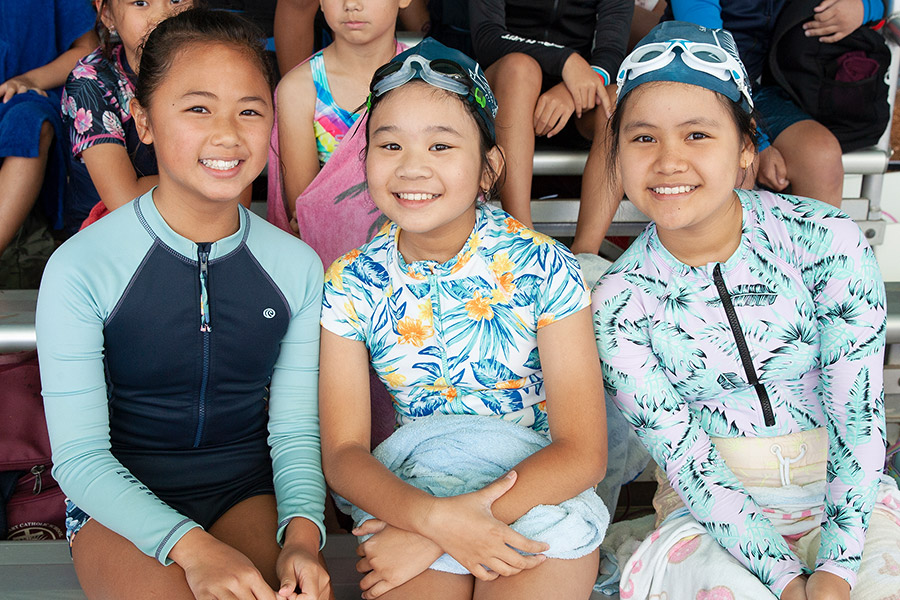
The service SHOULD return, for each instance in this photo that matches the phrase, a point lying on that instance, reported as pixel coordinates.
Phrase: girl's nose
(670, 160)
(225, 132)
(413, 166)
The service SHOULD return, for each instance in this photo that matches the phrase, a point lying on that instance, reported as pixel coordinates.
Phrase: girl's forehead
(417, 104)
(662, 99)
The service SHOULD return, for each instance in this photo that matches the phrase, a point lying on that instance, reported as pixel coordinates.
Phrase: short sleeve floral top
(95, 107)
(458, 337)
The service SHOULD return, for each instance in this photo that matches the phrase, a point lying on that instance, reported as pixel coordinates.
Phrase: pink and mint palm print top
(809, 302)
(458, 337)
(330, 122)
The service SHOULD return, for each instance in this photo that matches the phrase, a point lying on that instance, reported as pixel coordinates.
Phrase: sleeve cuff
(793, 571)
(848, 575)
(279, 535)
(602, 73)
(168, 542)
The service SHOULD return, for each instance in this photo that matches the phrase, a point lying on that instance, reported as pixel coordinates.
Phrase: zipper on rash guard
(205, 329)
(743, 350)
(436, 314)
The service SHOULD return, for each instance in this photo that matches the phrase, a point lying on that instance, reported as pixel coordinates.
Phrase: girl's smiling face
(425, 168)
(209, 122)
(679, 155)
(133, 20)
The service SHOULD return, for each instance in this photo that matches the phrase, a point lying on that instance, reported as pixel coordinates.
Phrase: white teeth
(681, 189)
(219, 165)
(416, 197)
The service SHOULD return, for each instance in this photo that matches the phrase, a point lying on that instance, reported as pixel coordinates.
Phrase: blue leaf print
(770, 273)
(695, 490)
(715, 423)
(651, 286)
(419, 290)
(369, 272)
(606, 321)
(527, 289)
(816, 276)
(753, 294)
(433, 369)
(721, 336)
(859, 417)
(431, 351)
(534, 359)
(489, 372)
(464, 289)
(636, 332)
(675, 348)
(809, 234)
(731, 381)
(842, 464)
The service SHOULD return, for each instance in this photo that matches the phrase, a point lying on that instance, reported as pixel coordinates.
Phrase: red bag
(35, 509)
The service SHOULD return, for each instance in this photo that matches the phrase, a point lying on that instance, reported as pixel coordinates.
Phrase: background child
(452, 303)
(178, 344)
(318, 103)
(547, 61)
(111, 164)
(41, 42)
(742, 335)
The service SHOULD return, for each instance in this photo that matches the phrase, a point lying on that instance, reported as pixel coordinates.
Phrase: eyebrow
(701, 121)
(212, 96)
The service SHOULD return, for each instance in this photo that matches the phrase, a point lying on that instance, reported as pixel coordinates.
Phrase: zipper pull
(203, 261)
(36, 470)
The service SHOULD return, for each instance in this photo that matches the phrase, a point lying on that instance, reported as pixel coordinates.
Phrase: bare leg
(434, 585)
(109, 566)
(558, 579)
(516, 82)
(20, 183)
(294, 32)
(600, 195)
(813, 158)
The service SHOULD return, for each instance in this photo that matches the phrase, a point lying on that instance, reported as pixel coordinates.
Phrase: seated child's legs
(109, 566)
(555, 578)
(811, 153)
(434, 585)
(516, 81)
(21, 179)
(599, 199)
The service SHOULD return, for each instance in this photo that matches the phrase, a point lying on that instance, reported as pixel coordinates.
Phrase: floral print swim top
(458, 337)
(785, 336)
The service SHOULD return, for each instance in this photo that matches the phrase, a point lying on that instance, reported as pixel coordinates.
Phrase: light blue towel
(449, 455)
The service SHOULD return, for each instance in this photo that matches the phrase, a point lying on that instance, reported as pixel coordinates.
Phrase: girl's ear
(105, 15)
(403, 4)
(493, 168)
(141, 121)
(748, 153)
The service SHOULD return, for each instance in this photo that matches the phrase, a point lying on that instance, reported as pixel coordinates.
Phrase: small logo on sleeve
(269, 313)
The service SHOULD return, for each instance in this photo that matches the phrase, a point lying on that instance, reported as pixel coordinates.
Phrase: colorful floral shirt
(810, 306)
(458, 337)
(95, 107)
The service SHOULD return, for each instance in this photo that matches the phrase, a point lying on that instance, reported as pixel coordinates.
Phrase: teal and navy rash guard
(170, 365)
(785, 336)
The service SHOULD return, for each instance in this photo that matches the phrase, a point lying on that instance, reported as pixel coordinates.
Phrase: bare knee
(515, 69)
(811, 152)
(46, 138)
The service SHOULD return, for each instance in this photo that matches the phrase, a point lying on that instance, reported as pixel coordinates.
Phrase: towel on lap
(449, 455)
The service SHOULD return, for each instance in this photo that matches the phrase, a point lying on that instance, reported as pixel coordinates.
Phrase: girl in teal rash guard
(742, 335)
(179, 351)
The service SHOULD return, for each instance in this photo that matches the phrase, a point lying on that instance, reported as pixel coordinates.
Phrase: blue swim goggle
(702, 57)
(441, 73)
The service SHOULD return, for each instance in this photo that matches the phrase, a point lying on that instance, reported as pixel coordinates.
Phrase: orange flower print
(479, 308)
(413, 331)
(426, 312)
(449, 394)
(501, 263)
(545, 319)
(511, 384)
(395, 380)
(536, 238)
(513, 226)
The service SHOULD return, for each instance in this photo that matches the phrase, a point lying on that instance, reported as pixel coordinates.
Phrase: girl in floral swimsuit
(742, 335)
